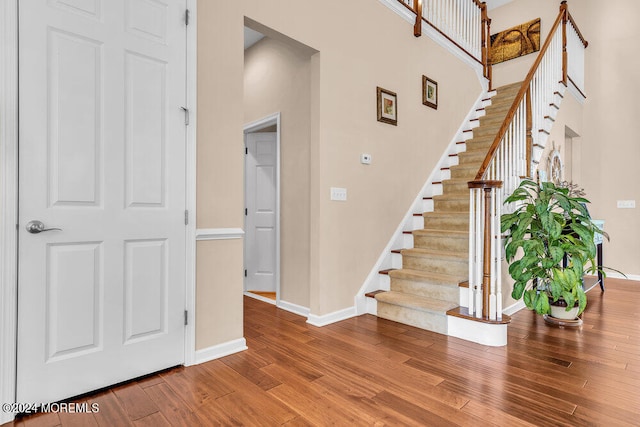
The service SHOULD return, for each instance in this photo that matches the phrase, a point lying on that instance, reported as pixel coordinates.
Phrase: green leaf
(569, 299)
(518, 290)
(556, 253)
(528, 298)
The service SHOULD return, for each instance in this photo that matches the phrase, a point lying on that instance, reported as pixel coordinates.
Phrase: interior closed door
(261, 214)
(102, 161)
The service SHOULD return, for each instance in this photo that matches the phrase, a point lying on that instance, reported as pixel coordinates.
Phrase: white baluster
(472, 255)
(492, 295)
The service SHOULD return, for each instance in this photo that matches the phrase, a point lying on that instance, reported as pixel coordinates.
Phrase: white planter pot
(562, 313)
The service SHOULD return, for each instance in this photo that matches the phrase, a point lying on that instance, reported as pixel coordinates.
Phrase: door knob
(35, 227)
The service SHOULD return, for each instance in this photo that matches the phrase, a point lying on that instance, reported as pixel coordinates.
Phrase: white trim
(190, 190)
(270, 120)
(514, 308)
(494, 335)
(8, 201)
(219, 233)
(220, 350)
(615, 275)
(260, 298)
(334, 317)
(402, 11)
(294, 308)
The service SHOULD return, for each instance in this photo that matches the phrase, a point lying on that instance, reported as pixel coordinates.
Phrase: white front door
(261, 213)
(102, 158)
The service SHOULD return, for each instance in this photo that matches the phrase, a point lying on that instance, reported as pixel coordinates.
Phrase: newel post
(486, 44)
(487, 239)
(565, 19)
(417, 27)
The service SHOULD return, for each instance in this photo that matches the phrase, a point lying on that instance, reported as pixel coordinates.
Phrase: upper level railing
(463, 22)
(510, 157)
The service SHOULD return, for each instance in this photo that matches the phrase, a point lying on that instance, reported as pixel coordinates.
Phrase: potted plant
(553, 229)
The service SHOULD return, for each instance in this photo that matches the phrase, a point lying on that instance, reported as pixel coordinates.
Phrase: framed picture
(429, 92)
(387, 106)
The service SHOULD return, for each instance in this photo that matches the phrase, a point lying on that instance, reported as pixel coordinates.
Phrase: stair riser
(427, 290)
(474, 158)
(452, 205)
(419, 319)
(463, 173)
(436, 265)
(447, 223)
(441, 243)
(456, 187)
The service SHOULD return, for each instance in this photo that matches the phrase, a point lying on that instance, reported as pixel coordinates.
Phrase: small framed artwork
(387, 106)
(429, 92)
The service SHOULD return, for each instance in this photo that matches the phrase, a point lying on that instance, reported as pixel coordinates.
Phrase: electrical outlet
(626, 204)
(365, 159)
(339, 194)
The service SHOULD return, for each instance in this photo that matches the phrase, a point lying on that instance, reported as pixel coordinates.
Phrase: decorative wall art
(387, 106)
(515, 42)
(429, 92)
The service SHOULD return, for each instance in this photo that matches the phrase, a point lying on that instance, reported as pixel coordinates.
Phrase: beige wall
(606, 155)
(219, 267)
(354, 57)
(277, 78)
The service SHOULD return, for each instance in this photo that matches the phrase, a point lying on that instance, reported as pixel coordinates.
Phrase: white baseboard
(336, 316)
(615, 275)
(220, 350)
(513, 309)
(294, 308)
(260, 298)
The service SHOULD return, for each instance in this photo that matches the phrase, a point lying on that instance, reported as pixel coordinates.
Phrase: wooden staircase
(427, 286)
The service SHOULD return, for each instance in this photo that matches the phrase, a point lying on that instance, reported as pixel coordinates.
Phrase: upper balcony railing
(463, 22)
(510, 158)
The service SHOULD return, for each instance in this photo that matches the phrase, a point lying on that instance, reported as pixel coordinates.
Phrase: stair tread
(455, 233)
(428, 276)
(416, 302)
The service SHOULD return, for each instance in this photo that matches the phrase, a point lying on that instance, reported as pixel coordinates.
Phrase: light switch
(626, 204)
(339, 194)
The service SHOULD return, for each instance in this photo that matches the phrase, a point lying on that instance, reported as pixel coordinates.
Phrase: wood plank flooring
(373, 372)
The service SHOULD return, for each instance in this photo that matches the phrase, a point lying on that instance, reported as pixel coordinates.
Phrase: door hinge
(186, 318)
(246, 211)
(245, 273)
(246, 150)
(187, 17)
(186, 115)
(186, 217)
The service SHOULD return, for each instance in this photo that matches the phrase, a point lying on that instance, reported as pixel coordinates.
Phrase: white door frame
(9, 195)
(270, 120)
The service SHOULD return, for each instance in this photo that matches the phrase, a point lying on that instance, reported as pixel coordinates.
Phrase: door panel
(102, 158)
(261, 221)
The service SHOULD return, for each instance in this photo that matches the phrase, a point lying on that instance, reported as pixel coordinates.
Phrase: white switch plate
(365, 159)
(339, 194)
(626, 204)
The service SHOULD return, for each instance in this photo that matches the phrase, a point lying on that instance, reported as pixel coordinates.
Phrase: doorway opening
(262, 209)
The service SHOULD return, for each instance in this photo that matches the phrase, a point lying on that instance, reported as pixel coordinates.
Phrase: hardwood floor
(368, 371)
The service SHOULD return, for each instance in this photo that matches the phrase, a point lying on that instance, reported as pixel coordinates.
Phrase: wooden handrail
(582, 39)
(520, 95)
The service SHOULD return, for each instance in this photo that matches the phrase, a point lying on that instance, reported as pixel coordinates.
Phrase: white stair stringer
(410, 222)
(541, 136)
